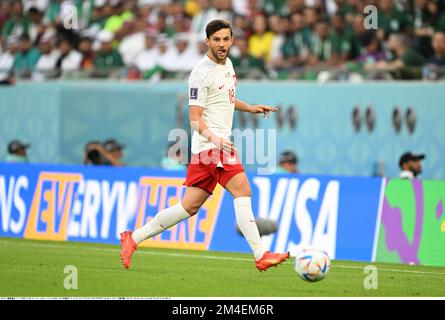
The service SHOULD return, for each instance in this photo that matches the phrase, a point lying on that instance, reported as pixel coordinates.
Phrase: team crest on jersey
(228, 75)
(193, 93)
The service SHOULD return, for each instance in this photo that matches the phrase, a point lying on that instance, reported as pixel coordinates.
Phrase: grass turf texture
(36, 268)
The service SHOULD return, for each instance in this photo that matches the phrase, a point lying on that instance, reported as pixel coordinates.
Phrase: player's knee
(242, 192)
(246, 192)
(191, 209)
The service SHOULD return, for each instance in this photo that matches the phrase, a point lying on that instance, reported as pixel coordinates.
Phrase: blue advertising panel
(95, 204)
(336, 214)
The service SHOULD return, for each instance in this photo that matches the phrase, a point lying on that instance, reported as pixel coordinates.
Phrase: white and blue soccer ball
(312, 264)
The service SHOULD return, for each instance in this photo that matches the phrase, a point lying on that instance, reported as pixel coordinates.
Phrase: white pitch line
(393, 270)
(145, 251)
(210, 257)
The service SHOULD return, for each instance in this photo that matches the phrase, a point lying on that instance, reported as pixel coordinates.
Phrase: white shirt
(147, 59)
(277, 44)
(167, 60)
(189, 58)
(6, 63)
(72, 61)
(46, 63)
(213, 87)
(176, 61)
(405, 174)
(131, 46)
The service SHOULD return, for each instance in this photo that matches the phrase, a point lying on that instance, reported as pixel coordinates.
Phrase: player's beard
(220, 58)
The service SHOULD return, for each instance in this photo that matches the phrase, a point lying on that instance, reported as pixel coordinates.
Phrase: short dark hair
(367, 37)
(216, 25)
(24, 37)
(288, 157)
(85, 38)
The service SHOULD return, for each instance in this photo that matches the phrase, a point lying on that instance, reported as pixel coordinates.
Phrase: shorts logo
(232, 160)
(193, 93)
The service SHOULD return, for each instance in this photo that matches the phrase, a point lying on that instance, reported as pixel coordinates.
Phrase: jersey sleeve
(198, 88)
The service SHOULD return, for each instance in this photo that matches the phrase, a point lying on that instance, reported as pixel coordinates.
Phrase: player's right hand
(226, 146)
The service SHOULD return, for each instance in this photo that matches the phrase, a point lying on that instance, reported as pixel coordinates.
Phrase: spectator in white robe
(46, 65)
(7, 57)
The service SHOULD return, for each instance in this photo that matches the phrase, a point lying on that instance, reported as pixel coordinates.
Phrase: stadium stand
(276, 39)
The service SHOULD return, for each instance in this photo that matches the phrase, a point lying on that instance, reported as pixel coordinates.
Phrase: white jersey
(213, 86)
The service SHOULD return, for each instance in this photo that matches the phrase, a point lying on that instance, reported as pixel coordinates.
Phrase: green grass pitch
(36, 268)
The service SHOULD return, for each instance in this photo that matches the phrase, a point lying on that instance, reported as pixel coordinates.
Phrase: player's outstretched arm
(245, 107)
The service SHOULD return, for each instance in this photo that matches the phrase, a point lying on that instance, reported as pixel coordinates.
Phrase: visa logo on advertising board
(68, 206)
(289, 207)
(336, 214)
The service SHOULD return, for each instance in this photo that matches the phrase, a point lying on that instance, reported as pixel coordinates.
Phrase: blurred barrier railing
(348, 72)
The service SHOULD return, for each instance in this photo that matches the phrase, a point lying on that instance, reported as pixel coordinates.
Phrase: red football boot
(128, 247)
(271, 260)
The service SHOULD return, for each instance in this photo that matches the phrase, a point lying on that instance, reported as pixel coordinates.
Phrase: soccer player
(212, 102)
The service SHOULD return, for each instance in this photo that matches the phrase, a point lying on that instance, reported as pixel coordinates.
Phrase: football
(312, 264)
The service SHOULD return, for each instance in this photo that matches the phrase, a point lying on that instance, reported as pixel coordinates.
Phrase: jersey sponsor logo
(232, 160)
(193, 93)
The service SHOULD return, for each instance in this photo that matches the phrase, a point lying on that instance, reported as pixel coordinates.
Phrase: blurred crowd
(277, 39)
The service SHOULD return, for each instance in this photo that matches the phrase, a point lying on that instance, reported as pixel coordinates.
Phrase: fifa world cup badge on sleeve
(193, 93)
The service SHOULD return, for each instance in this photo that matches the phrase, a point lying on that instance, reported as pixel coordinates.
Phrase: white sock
(247, 225)
(162, 221)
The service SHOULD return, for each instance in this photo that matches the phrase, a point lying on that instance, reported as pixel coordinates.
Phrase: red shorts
(210, 167)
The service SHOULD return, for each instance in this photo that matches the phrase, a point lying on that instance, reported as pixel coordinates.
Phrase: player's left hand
(265, 110)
